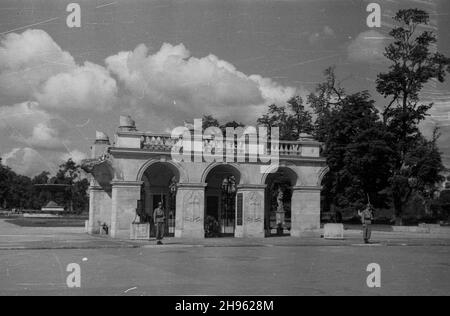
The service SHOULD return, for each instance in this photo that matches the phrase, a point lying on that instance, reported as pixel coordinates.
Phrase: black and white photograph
(221, 155)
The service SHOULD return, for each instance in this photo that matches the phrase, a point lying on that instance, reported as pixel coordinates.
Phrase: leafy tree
(75, 196)
(79, 195)
(232, 124)
(277, 116)
(444, 200)
(356, 145)
(6, 176)
(292, 119)
(327, 97)
(20, 192)
(301, 119)
(413, 64)
(15, 190)
(209, 121)
(419, 175)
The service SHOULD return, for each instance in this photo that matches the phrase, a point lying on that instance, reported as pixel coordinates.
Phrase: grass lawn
(48, 222)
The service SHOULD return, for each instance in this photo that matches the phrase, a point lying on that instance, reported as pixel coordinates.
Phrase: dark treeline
(20, 192)
(376, 156)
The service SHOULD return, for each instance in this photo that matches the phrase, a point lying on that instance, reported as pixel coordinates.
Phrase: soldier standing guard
(366, 219)
(159, 218)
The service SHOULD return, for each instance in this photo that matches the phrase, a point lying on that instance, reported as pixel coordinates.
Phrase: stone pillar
(190, 210)
(99, 208)
(95, 196)
(252, 205)
(125, 195)
(305, 211)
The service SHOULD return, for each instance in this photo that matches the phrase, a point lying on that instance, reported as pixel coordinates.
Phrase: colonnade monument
(203, 197)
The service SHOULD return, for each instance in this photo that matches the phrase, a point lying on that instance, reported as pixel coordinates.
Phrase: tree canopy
(20, 192)
(413, 63)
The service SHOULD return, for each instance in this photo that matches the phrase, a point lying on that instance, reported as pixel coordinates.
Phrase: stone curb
(346, 243)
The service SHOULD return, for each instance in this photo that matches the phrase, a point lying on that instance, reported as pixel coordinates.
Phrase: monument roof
(52, 204)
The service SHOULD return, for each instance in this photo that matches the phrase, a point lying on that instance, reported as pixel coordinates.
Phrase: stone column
(190, 210)
(95, 197)
(99, 207)
(305, 211)
(252, 211)
(125, 195)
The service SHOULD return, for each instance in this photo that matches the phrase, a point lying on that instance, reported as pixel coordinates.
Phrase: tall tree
(327, 97)
(356, 145)
(300, 119)
(413, 64)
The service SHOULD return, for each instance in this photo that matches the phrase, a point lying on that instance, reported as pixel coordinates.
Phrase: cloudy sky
(167, 61)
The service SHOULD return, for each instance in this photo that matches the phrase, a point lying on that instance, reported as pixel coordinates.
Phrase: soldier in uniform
(159, 218)
(366, 219)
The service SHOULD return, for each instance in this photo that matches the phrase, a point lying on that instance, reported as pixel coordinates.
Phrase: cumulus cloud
(87, 87)
(34, 67)
(167, 86)
(172, 82)
(29, 124)
(27, 161)
(368, 47)
(29, 59)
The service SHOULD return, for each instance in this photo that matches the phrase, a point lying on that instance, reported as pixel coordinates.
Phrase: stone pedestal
(334, 231)
(305, 211)
(99, 209)
(252, 211)
(140, 231)
(124, 203)
(190, 212)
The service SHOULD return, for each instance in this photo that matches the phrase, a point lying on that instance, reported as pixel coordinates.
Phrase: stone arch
(289, 167)
(321, 174)
(210, 167)
(285, 178)
(157, 177)
(177, 168)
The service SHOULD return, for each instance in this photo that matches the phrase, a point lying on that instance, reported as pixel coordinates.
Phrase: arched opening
(328, 212)
(159, 185)
(220, 201)
(278, 198)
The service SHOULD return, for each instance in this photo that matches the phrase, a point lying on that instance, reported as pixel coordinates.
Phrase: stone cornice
(191, 185)
(307, 188)
(248, 187)
(117, 183)
(137, 153)
(129, 134)
(95, 188)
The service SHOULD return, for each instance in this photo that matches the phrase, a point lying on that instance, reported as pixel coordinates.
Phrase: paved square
(36, 264)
